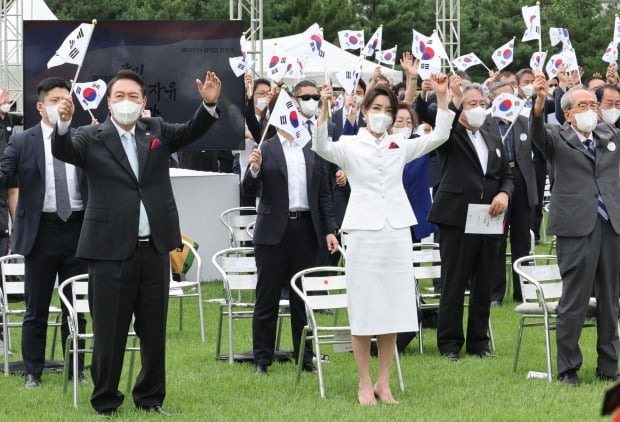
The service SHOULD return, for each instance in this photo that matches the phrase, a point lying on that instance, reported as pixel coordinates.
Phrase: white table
(201, 197)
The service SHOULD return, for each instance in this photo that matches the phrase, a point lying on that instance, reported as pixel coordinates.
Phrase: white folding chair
(77, 304)
(427, 266)
(329, 287)
(238, 270)
(13, 280)
(541, 286)
(189, 288)
(236, 220)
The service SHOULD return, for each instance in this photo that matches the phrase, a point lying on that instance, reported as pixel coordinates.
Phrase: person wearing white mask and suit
(585, 218)
(379, 264)
(474, 170)
(130, 225)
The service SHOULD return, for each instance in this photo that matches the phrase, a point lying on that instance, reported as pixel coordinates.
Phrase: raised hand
(409, 65)
(540, 85)
(612, 74)
(439, 83)
(65, 108)
(209, 89)
(326, 97)
(255, 160)
(4, 96)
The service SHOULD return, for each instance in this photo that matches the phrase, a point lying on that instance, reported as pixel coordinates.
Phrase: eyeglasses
(586, 106)
(307, 97)
(260, 94)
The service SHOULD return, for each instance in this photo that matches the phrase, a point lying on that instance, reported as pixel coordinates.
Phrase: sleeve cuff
(210, 109)
(254, 174)
(62, 127)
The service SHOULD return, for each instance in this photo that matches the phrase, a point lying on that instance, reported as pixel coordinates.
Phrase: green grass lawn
(199, 388)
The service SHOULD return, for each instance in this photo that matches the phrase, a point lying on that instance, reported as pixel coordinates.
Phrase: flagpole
(77, 72)
(485, 66)
(394, 62)
(540, 22)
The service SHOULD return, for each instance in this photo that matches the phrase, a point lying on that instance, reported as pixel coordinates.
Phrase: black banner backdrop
(169, 55)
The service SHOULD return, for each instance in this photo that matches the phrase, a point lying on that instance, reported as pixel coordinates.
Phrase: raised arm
(538, 132)
(331, 151)
(443, 122)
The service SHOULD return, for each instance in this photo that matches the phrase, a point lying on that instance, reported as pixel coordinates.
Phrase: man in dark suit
(518, 148)
(294, 216)
(585, 217)
(49, 216)
(130, 225)
(474, 170)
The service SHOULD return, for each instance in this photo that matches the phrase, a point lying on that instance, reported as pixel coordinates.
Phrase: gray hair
(467, 86)
(567, 99)
(498, 85)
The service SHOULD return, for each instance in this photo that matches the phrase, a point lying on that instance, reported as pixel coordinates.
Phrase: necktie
(309, 126)
(131, 150)
(63, 206)
(509, 140)
(601, 210)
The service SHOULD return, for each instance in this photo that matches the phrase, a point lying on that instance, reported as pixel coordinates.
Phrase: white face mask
(551, 90)
(261, 103)
(126, 112)
(52, 113)
(309, 107)
(5, 108)
(586, 121)
(405, 131)
(475, 116)
(379, 122)
(610, 115)
(359, 99)
(528, 90)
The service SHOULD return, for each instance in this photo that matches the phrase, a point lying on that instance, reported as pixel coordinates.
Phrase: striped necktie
(601, 208)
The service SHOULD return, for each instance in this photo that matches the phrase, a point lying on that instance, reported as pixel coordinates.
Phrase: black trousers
(465, 257)
(520, 218)
(53, 254)
(276, 264)
(540, 164)
(139, 286)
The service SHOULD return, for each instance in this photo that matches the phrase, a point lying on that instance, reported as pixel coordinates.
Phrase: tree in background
(485, 24)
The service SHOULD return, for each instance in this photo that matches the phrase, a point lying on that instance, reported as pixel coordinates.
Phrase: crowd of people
(390, 167)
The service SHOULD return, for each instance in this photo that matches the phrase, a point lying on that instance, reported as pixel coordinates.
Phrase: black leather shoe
(451, 356)
(32, 381)
(569, 378)
(155, 409)
(484, 354)
(309, 367)
(604, 377)
(260, 369)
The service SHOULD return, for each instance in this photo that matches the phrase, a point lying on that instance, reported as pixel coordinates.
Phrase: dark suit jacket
(462, 180)
(578, 178)
(523, 153)
(272, 185)
(24, 157)
(339, 123)
(110, 228)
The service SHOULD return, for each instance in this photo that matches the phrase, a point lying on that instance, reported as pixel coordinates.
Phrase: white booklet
(479, 221)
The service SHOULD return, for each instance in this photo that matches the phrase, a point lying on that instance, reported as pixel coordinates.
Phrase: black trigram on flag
(425, 66)
(289, 105)
(283, 120)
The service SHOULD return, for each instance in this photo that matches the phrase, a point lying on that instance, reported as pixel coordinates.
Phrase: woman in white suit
(379, 264)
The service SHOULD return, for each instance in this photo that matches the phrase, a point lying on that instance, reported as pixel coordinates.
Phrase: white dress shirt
(49, 200)
(481, 148)
(296, 174)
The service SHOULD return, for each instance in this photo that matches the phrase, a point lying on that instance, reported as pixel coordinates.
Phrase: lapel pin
(147, 133)
(611, 146)
(523, 137)
(498, 152)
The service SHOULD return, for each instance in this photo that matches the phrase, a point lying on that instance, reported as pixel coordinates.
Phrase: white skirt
(380, 282)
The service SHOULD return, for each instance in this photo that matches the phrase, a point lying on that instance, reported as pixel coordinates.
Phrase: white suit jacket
(375, 172)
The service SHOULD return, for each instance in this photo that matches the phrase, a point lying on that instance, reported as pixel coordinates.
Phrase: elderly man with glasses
(585, 217)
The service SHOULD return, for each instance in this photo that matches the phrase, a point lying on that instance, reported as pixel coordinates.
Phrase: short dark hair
(304, 83)
(521, 73)
(362, 84)
(377, 91)
(414, 116)
(127, 74)
(464, 76)
(398, 86)
(47, 84)
(587, 81)
(261, 81)
(506, 74)
(600, 91)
